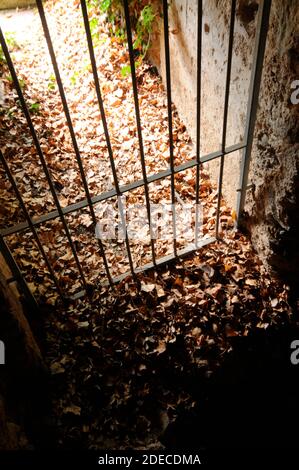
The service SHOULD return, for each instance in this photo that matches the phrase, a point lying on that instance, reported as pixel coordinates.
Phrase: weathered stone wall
(22, 376)
(271, 208)
(6, 4)
(183, 45)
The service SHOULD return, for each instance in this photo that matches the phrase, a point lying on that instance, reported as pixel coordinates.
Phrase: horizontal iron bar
(248, 187)
(123, 189)
(159, 262)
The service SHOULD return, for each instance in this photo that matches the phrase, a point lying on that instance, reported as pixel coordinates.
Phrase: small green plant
(125, 70)
(34, 108)
(142, 18)
(94, 27)
(11, 41)
(84, 65)
(22, 82)
(144, 29)
(105, 5)
(74, 77)
(11, 44)
(51, 82)
(2, 58)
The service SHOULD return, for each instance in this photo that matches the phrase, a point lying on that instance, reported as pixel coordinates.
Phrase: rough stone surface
(6, 4)
(183, 50)
(22, 376)
(271, 215)
(272, 207)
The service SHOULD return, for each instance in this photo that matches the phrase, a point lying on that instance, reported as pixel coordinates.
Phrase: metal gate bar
(29, 220)
(40, 153)
(42, 15)
(17, 274)
(106, 132)
(198, 116)
(122, 189)
(163, 260)
(255, 82)
(138, 123)
(225, 112)
(169, 109)
(118, 191)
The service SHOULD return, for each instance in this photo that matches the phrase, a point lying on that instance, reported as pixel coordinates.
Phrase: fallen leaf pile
(34, 69)
(126, 361)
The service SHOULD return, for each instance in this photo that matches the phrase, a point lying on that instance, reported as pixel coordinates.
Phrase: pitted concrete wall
(7, 4)
(272, 205)
(183, 45)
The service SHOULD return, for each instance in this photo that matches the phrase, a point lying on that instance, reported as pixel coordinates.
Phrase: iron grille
(89, 201)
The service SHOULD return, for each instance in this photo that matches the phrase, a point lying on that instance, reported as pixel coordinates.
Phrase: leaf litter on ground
(124, 362)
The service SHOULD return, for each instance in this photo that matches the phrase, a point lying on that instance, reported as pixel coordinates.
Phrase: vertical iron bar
(70, 126)
(40, 154)
(138, 122)
(124, 225)
(17, 274)
(198, 115)
(105, 127)
(169, 108)
(98, 91)
(29, 220)
(225, 113)
(255, 82)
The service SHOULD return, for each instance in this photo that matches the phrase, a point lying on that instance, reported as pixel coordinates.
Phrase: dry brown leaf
(147, 287)
(161, 347)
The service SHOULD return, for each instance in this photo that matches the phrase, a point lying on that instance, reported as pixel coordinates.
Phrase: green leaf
(105, 5)
(94, 26)
(34, 108)
(51, 82)
(126, 70)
